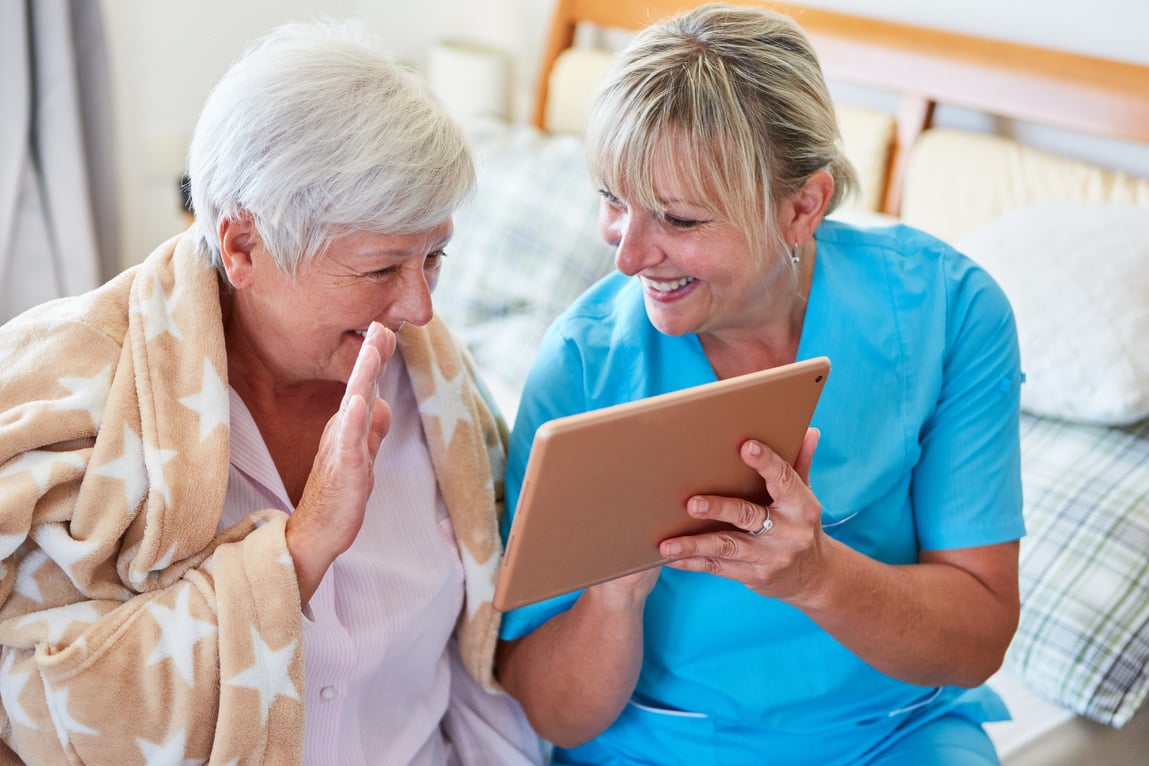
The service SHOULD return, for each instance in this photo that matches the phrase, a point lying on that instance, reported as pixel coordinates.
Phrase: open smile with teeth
(664, 286)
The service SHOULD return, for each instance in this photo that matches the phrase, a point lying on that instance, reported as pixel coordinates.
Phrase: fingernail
(699, 505)
(671, 549)
(754, 448)
(373, 330)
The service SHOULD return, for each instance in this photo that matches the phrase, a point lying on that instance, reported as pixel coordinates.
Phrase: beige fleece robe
(130, 632)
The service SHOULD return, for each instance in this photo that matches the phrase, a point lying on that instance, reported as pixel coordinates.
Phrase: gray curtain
(58, 218)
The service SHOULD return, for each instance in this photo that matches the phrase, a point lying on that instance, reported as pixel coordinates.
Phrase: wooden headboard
(924, 67)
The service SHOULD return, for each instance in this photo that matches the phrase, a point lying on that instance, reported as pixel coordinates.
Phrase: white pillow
(1077, 275)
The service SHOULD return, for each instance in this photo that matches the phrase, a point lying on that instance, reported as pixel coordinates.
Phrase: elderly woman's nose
(414, 302)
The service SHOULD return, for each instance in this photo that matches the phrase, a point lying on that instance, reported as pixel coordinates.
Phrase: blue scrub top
(919, 451)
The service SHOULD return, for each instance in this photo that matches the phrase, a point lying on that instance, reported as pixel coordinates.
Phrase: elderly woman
(854, 619)
(248, 488)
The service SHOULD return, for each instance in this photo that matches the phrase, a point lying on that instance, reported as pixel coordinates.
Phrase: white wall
(166, 56)
(1116, 29)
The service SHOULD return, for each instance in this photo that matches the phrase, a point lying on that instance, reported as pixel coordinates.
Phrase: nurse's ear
(238, 238)
(801, 212)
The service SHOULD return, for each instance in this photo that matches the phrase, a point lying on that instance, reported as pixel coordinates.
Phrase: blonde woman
(854, 619)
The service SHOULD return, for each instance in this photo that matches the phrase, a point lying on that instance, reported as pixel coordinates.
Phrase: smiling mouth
(666, 286)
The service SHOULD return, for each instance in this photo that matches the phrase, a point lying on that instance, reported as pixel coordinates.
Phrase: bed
(1067, 238)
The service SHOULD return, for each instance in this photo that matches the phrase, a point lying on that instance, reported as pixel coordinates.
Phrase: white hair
(315, 133)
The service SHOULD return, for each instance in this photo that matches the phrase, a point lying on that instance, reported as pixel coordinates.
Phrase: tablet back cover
(603, 488)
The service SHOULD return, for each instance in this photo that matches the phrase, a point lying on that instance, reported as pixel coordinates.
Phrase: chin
(672, 325)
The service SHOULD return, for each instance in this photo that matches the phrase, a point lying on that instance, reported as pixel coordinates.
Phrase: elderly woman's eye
(435, 259)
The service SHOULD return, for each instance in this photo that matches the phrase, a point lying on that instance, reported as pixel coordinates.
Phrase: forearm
(575, 673)
(931, 623)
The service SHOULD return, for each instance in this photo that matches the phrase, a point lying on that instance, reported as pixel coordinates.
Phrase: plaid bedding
(1083, 640)
(524, 248)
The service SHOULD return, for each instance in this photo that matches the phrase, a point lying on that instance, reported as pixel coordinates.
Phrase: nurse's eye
(682, 223)
(609, 198)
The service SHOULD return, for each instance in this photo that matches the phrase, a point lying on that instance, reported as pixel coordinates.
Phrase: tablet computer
(603, 488)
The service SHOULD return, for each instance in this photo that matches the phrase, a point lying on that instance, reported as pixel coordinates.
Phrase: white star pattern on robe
(55, 540)
(26, 584)
(181, 632)
(155, 459)
(140, 576)
(210, 403)
(165, 560)
(72, 310)
(478, 578)
(157, 311)
(89, 394)
(168, 754)
(40, 463)
(447, 403)
(60, 618)
(9, 544)
(63, 721)
(128, 468)
(11, 684)
(268, 675)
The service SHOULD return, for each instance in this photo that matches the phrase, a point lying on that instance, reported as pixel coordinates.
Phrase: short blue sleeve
(966, 486)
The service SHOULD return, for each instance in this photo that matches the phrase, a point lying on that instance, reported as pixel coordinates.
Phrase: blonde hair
(732, 100)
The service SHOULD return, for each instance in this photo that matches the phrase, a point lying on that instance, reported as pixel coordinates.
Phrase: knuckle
(788, 479)
(727, 546)
(747, 514)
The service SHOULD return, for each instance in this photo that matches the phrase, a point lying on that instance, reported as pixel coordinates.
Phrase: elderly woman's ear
(238, 237)
(803, 210)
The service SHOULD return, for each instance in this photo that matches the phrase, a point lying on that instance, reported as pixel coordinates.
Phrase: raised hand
(330, 512)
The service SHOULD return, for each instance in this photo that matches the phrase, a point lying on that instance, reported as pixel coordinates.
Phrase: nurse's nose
(629, 231)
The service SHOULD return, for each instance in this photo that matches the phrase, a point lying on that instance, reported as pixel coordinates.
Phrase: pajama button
(327, 693)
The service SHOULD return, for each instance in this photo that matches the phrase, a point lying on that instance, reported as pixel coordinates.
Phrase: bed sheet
(1044, 734)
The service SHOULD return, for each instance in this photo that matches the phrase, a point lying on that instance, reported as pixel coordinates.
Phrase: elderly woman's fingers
(378, 347)
(380, 425)
(330, 513)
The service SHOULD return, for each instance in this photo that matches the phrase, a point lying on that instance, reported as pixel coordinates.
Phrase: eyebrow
(436, 245)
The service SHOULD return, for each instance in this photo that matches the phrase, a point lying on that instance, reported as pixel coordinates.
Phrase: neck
(772, 341)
